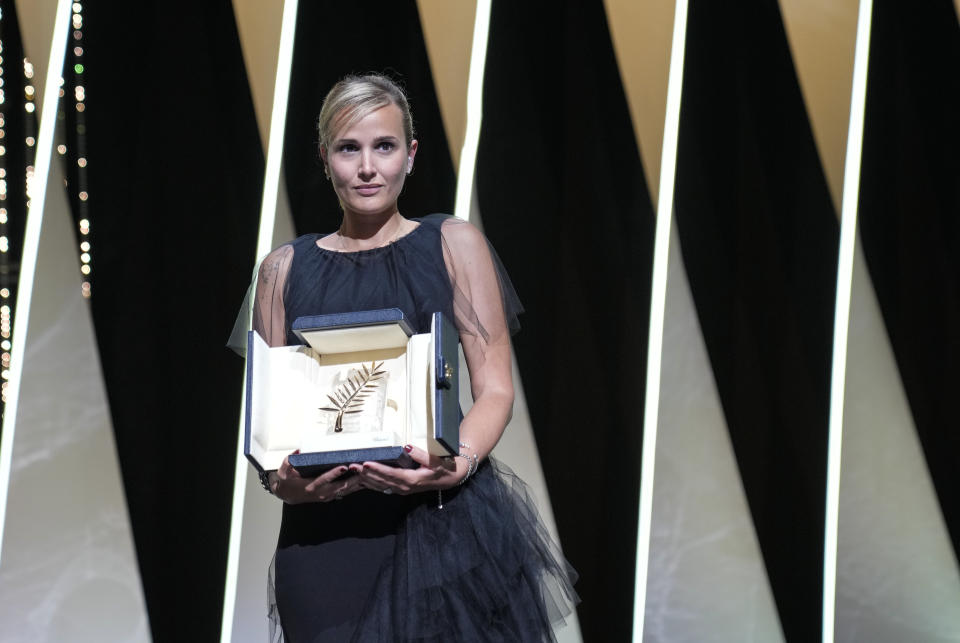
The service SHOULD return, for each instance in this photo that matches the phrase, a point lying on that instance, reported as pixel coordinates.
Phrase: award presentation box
(360, 388)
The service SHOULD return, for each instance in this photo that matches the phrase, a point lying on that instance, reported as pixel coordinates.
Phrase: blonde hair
(353, 98)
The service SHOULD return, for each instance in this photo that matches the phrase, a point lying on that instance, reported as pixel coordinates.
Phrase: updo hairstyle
(353, 98)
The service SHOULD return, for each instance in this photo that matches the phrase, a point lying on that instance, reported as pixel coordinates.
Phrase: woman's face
(369, 161)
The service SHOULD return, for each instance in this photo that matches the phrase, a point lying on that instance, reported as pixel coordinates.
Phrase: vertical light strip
(268, 215)
(471, 138)
(278, 122)
(80, 130)
(31, 244)
(661, 255)
(848, 237)
(6, 312)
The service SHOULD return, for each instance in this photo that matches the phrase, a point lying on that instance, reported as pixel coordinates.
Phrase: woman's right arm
(269, 318)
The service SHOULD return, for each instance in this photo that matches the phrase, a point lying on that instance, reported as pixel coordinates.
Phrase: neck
(371, 231)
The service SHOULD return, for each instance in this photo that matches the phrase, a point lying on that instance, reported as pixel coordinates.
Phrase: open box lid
(348, 332)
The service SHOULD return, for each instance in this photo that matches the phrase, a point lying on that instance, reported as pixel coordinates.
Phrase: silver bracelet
(473, 463)
(476, 463)
(265, 482)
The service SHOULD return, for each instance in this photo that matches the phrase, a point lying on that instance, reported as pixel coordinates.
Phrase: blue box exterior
(447, 389)
(351, 320)
(248, 414)
(313, 464)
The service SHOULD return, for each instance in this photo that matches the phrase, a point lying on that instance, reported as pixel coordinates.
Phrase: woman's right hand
(293, 488)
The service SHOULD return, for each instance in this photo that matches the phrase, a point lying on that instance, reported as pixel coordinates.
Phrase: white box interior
(291, 385)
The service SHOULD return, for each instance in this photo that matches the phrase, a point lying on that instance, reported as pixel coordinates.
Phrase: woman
(452, 550)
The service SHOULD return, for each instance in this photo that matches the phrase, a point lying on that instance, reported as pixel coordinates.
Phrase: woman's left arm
(491, 383)
(485, 338)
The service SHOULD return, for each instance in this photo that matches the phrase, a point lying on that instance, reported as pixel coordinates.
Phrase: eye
(347, 147)
(386, 146)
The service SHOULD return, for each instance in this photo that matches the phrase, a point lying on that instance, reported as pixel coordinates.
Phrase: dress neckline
(374, 250)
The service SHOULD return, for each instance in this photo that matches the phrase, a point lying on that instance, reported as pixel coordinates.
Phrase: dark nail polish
(408, 448)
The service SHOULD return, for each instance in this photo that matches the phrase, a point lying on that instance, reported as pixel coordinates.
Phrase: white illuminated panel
(242, 487)
(31, 242)
(278, 119)
(848, 232)
(661, 256)
(68, 570)
(468, 157)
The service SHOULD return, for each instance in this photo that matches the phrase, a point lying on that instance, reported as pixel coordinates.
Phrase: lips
(367, 189)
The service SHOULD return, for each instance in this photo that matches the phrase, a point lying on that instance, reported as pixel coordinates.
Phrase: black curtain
(909, 219)
(760, 236)
(175, 172)
(563, 197)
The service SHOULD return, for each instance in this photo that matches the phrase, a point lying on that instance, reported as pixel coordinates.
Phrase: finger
(417, 454)
(380, 477)
(342, 489)
(403, 481)
(378, 469)
(333, 474)
(326, 478)
(314, 484)
(384, 475)
(375, 485)
(286, 469)
(425, 459)
(351, 484)
(376, 474)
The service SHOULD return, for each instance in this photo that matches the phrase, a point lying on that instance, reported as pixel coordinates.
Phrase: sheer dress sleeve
(262, 307)
(268, 311)
(485, 304)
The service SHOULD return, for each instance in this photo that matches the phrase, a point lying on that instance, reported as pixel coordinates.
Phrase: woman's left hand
(435, 472)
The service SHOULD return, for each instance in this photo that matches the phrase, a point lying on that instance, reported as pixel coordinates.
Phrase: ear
(323, 157)
(411, 153)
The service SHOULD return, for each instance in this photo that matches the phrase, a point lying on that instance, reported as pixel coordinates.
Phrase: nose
(366, 171)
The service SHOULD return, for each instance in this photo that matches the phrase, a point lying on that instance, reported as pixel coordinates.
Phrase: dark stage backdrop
(760, 238)
(563, 197)
(176, 172)
(910, 219)
(17, 125)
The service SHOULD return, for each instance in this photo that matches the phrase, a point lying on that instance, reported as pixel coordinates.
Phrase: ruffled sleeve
(268, 311)
(485, 304)
(262, 308)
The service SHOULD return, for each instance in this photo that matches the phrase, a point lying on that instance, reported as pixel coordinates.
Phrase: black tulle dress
(377, 567)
